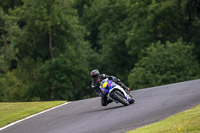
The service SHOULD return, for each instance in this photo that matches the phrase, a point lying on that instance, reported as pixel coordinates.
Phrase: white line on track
(11, 124)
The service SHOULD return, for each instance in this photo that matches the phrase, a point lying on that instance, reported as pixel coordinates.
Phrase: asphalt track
(88, 116)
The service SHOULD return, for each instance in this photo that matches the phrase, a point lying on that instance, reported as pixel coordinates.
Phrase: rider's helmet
(95, 75)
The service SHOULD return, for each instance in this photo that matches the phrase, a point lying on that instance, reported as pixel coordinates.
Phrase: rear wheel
(118, 96)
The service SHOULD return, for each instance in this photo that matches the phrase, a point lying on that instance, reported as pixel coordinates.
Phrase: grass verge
(11, 112)
(184, 122)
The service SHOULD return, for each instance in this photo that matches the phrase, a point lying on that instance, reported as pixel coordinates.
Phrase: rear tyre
(118, 96)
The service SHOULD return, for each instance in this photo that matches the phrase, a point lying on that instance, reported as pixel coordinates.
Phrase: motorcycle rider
(97, 78)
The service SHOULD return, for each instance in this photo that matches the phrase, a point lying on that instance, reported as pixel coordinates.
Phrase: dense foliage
(49, 47)
(164, 64)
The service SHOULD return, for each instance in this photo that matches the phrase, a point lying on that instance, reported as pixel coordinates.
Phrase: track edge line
(11, 124)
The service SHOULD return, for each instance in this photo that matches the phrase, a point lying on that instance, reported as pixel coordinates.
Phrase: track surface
(88, 116)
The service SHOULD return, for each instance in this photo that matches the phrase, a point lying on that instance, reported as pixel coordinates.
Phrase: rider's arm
(104, 76)
(96, 88)
(113, 78)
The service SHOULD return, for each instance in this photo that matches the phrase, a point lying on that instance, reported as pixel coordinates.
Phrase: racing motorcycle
(116, 93)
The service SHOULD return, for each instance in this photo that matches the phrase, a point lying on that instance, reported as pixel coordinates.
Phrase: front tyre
(118, 96)
(132, 100)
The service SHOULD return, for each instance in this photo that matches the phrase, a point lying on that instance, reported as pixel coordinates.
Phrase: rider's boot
(105, 101)
(109, 101)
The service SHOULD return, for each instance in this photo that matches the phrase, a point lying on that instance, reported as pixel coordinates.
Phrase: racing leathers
(96, 86)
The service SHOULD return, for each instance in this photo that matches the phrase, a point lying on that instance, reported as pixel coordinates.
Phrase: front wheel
(132, 100)
(118, 96)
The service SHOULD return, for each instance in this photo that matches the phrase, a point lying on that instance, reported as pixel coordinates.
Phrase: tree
(44, 44)
(10, 4)
(46, 31)
(166, 20)
(9, 84)
(139, 29)
(3, 70)
(65, 77)
(163, 64)
(192, 24)
(112, 36)
(6, 50)
(104, 20)
(45, 28)
(11, 88)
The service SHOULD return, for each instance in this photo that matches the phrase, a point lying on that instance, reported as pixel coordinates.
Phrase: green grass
(184, 122)
(11, 112)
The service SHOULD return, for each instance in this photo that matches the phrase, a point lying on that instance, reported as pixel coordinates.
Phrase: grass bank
(11, 112)
(184, 122)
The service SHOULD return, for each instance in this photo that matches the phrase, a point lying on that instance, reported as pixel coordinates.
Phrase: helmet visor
(95, 76)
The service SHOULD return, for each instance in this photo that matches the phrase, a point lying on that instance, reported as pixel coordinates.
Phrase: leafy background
(49, 47)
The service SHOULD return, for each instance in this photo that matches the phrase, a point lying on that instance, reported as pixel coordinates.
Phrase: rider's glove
(114, 79)
(118, 80)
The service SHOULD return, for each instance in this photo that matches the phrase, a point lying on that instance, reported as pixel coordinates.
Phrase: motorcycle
(115, 92)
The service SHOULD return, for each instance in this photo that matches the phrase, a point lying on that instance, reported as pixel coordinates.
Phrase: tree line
(49, 47)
